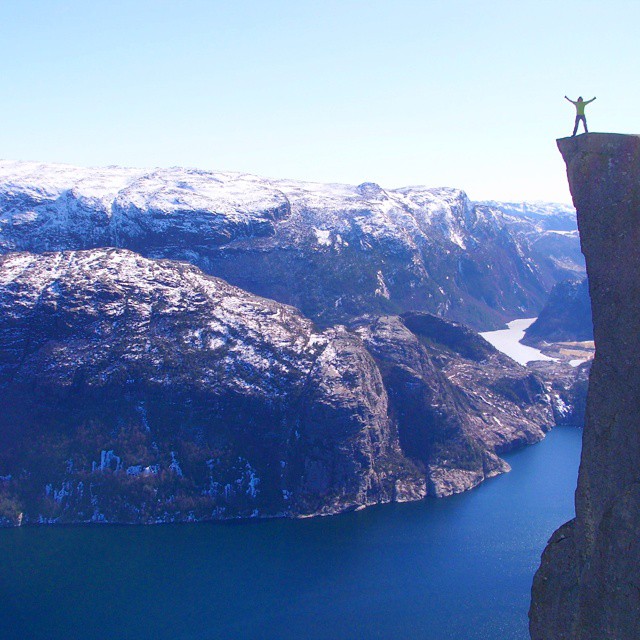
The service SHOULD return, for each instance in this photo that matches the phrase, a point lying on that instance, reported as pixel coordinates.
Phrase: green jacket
(581, 105)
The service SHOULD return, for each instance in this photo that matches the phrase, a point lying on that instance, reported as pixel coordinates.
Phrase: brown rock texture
(588, 585)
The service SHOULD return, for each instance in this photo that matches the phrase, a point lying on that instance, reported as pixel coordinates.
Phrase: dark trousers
(584, 122)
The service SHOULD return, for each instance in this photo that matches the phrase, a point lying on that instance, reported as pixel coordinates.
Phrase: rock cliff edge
(588, 585)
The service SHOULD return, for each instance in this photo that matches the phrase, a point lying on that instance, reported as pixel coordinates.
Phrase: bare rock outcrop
(566, 317)
(588, 586)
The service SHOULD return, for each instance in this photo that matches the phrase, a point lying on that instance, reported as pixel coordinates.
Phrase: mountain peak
(371, 190)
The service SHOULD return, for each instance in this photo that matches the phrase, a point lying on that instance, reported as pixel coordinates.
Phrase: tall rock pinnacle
(588, 585)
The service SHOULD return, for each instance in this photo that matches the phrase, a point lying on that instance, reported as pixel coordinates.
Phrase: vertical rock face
(588, 586)
(566, 317)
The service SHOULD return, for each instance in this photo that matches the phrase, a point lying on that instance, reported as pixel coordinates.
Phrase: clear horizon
(456, 94)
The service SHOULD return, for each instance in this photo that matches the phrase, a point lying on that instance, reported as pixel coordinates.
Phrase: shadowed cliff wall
(588, 585)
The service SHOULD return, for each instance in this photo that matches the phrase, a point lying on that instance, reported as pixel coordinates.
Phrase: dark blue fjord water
(456, 568)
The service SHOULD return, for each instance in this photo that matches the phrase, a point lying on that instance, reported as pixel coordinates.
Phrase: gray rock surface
(588, 585)
(566, 317)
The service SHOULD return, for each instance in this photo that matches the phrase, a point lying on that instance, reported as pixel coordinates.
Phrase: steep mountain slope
(565, 317)
(588, 585)
(551, 236)
(334, 251)
(144, 388)
(145, 391)
(560, 218)
(457, 402)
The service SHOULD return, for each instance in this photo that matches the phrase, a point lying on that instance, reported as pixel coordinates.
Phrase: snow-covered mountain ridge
(333, 250)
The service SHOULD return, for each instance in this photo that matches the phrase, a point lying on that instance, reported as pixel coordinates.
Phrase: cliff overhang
(588, 585)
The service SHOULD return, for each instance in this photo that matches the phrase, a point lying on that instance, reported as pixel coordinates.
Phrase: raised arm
(592, 99)
(570, 100)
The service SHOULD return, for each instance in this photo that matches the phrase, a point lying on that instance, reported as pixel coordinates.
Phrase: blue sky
(460, 93)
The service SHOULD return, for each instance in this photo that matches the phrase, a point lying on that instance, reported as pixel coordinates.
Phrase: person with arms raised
(580, 104)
